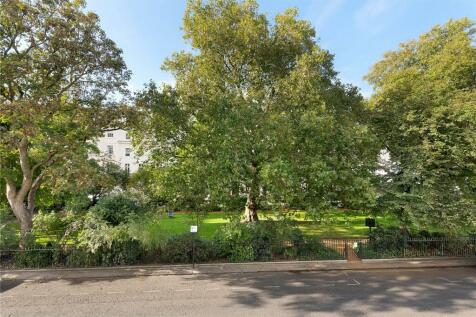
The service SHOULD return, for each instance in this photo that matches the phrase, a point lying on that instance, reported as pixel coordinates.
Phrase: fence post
(404, 246)
(442, 240)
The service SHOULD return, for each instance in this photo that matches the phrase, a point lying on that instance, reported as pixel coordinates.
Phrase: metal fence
(404, 247)
(190, 251)
(201, 251)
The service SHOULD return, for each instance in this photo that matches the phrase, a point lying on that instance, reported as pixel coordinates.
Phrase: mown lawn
(338, 224)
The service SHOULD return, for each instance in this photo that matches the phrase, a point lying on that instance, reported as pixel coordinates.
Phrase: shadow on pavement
(356, 294)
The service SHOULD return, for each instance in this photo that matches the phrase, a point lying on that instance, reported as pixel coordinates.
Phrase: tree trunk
(22, 200)
(22, 213)
(251, 209)
(26, 224)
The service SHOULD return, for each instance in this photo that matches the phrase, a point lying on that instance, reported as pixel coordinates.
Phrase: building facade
(115, 146)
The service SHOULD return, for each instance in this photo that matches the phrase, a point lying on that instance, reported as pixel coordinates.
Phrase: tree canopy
(58, 74)
(424, 110)
(257, 118)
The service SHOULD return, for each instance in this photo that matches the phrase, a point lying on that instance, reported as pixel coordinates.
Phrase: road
(424, 292)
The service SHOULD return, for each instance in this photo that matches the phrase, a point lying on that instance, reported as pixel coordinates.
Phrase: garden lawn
(338, 224)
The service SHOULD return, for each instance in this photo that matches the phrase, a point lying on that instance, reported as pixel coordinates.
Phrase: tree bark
(22, 201)
(251, 207)
(23, 214)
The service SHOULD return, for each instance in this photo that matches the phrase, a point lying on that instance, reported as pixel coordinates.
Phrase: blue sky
(357, 32)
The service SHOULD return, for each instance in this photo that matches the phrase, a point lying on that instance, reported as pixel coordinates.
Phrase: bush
(314, 249)
(117, 208)
(179, 249)
(264, 240)
(36, 255)
(148, 230)
(8, 237)
(395, 242)
(120, 253)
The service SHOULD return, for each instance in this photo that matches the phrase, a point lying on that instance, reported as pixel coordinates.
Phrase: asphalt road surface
(423, 292)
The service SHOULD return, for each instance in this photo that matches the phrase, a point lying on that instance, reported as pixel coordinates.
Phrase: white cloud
(371, 10)
(319, 13)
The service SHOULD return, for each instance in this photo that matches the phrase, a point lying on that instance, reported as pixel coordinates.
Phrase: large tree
(58, 71)
(424, 110)
(257, 117)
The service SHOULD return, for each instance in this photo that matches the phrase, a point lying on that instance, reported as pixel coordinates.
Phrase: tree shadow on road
(356, 294)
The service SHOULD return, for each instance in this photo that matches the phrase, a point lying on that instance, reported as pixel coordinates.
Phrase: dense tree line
(257, 118)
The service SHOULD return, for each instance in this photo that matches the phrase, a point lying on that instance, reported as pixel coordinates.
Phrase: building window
(110, 134)
(128, 152)
(127, 136)
(110, 150)
(127, 167)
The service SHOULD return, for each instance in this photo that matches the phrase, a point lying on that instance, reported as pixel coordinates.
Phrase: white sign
(193, 229)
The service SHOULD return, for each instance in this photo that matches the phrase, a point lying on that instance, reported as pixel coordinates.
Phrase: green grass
(339, 224)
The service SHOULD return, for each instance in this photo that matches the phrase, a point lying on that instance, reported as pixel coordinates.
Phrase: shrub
(79, 257)
(264, 240)
(8, 237)
(179, 249)
(36, 255)
(384, 239)
(117, 208)
(148, 230)
(124, 252)
(314, 249)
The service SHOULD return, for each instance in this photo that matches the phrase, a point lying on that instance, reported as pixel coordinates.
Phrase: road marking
(152, 291)
(115, 292)
(39, 295)
(213, 289)
(79, 294)
(9, 296)
(355, 282)
(447, 280)
(183, 290)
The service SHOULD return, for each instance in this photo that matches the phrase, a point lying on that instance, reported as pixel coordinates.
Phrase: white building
(115, 146)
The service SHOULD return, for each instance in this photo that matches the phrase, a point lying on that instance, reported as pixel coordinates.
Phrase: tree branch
(26, 170)
(32, 193)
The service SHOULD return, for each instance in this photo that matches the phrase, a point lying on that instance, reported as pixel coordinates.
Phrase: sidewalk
(227, 268)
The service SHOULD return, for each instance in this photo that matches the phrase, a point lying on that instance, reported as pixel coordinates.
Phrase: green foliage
(8, 234)
(252, 241)
(178, 249)
(59, 77)
(258, 114)
(106, 244)
(8, 237)
(120, 252)
(149, 230)
(117, 208)
(38, 256)
(424, 112)
(96, 233)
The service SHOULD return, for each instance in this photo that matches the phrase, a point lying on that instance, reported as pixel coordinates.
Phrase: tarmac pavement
(449, 291)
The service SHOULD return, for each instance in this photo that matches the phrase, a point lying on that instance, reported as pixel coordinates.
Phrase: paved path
(413, 292)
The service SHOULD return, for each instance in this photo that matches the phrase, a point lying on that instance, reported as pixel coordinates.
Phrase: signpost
(370, 222)
(193, 231)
